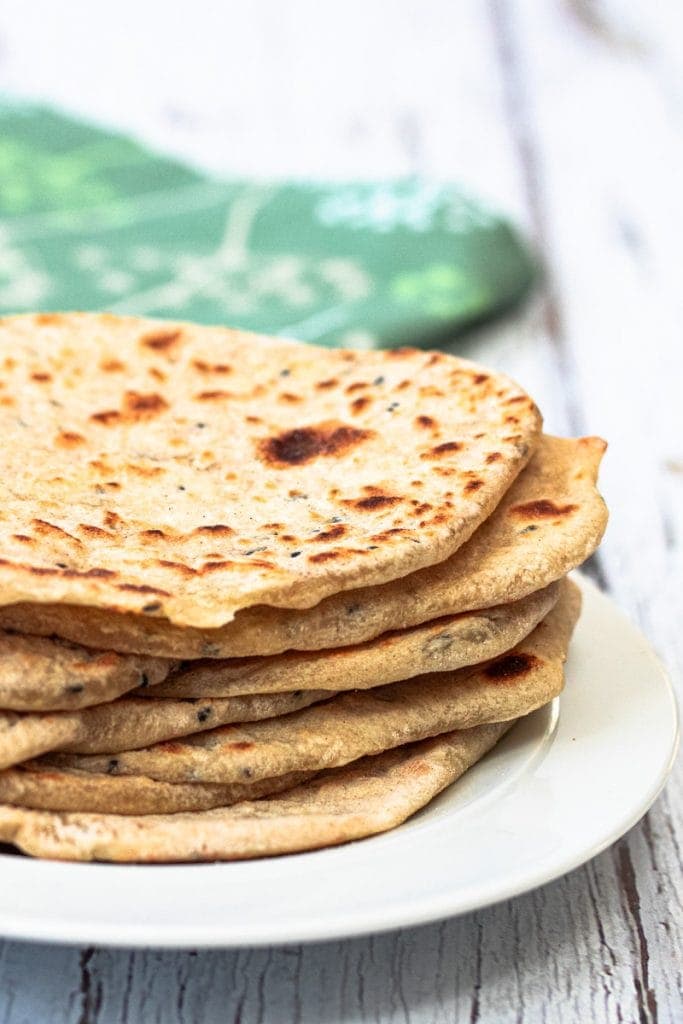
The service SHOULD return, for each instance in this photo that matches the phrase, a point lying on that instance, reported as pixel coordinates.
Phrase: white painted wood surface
(567, 114)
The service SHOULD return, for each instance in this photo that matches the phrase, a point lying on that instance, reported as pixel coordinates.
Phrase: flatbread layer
(439, 646)
(549, 521)
(365, 798)
(185, 472)
(131, 722)
(52, 789)
(48, 674)
(358, 723)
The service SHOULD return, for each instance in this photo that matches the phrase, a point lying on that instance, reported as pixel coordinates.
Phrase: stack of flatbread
(258, 597)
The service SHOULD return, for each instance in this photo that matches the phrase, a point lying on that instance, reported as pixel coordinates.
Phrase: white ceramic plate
(557, 790)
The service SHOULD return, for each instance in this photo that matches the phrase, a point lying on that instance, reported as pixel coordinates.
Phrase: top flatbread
(549, 521)
(187, 472)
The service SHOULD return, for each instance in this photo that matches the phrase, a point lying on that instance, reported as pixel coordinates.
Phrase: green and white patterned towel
(92, 220)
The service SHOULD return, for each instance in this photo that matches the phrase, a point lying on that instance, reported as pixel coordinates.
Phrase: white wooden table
(568, 115)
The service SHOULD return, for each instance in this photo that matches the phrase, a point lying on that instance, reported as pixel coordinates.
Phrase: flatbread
(52, 789)
(39, 674)
(181, 471)
(131, 722)
(355, 724)
(368, 797)
(550, 520)
(439, 646)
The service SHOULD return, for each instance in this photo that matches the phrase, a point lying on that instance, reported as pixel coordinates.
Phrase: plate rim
(418, 909)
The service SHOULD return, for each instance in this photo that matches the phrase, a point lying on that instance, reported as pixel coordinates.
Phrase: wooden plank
(600, 157)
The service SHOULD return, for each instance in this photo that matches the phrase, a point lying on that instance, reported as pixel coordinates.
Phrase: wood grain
(568, 115)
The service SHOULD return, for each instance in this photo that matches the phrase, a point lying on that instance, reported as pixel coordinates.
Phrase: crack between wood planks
(646, 831)
(440, 973)
(518, 948)
(476, 987)
(360, 978)
(239, 1005)
(648, 1012)
(398, 972)
(180, 995)
(261, 983)
(606, 949)
(671, 828)
(90, 989)
(128, 989)
(297, 1008)
(524, 141)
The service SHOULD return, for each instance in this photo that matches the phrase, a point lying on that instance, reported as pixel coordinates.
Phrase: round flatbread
(131, 722)
(370, 796)
(355, 724)
(442, 645)
(186, 472)
(550, 520)
(41, 674)
(61, 789)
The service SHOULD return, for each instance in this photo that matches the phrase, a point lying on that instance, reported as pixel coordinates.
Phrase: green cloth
(93, 220)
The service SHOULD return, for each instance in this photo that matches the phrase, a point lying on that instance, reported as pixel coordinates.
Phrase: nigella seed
(393, 406)
(154, 606)
(378, 380)
(294, 554)
(203, 714)
(144, 679)
(113, 765)
(200, 425)
(285, 373)
(75, 688)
